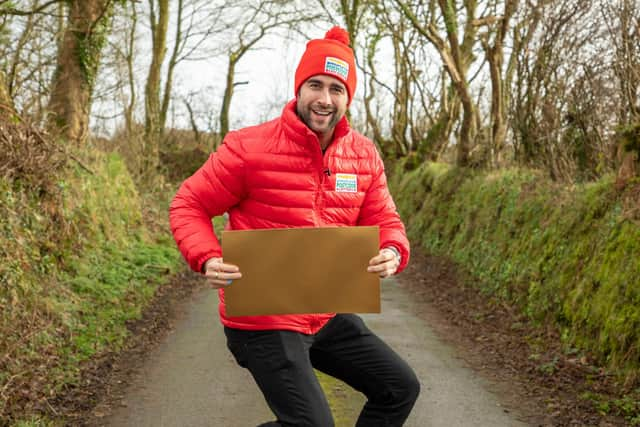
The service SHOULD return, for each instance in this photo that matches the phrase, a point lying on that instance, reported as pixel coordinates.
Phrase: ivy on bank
(566, 255)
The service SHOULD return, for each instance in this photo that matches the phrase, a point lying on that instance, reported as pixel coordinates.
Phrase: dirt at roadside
(496, 342)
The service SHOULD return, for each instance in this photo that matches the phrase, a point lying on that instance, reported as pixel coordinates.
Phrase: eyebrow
(331, 85)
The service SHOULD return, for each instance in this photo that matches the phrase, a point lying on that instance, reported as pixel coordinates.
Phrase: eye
(337, 90)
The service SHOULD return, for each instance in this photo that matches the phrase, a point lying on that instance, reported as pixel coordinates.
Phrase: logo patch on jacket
(336, 66)
(346, 183)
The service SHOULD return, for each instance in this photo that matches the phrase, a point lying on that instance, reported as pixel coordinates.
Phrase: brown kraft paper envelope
(302, 270)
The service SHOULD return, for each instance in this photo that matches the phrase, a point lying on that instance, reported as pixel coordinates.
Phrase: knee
(411, 389)
(406, 391)
(401, 393)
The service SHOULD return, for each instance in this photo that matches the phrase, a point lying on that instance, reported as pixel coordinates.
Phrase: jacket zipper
(317, 198)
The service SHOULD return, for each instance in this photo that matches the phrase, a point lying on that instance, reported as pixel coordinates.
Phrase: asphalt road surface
(191, 379)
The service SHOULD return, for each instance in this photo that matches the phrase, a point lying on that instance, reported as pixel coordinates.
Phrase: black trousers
(282, 363)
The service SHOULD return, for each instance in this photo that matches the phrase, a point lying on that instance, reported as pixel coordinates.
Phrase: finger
(217, 264)
(385, 269)
(229, 268)
(224, 276)
(221, 276)
(219, 283)
(383, 256)
(378, 259)
(380, 268)
(387, 273)
(377, 268)
(382, 265)
(216, 284)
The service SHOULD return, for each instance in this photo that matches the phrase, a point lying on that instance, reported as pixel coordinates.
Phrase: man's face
(322, 102)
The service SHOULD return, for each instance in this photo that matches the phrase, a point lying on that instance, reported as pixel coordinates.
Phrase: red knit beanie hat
(331, 56)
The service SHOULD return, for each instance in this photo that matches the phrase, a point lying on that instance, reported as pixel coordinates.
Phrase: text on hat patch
(336, 66)
(346, 183)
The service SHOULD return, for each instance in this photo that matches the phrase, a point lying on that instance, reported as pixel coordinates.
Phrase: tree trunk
(371, 120)
(226, 99)
(152, 125)
(495, 58)
(350, 11)
(456, 58)
(173, 61)
(400, 123)
(234, 57)
(6, 103)
(131, 37)
(628, 154)
(88, 25)
(467, 129)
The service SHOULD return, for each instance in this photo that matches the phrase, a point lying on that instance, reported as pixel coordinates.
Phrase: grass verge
(77, 262)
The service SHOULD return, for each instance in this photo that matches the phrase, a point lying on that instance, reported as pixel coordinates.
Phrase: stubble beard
(305, 114)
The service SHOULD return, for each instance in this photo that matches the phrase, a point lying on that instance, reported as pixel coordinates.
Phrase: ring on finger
(217, 274)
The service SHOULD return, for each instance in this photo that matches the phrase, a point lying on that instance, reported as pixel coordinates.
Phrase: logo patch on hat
(336, 66)
(346, 183)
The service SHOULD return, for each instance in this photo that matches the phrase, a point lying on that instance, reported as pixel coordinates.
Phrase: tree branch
(39, 9)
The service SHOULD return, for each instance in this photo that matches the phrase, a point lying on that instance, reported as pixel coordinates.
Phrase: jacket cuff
(396, 252)
(199, 265)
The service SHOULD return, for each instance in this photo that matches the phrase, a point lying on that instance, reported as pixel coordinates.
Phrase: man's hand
(219, 274)
(386, 263)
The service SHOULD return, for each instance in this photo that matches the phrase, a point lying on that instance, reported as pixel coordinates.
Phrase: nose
(325, 96)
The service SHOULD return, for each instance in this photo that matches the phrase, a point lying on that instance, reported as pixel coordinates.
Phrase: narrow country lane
(190, 379)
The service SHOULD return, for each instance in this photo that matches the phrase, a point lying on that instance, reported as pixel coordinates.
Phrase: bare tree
(159, 23)
(549, 47)
(397, 126)
(258, 21)
(623, 19)
(129, 59)
(196, 21)
(370, 95)
(498, 28)
(456, 56)
(27, 56)
(348, 13)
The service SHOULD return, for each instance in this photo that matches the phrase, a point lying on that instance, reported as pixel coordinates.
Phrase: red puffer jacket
(275, 176)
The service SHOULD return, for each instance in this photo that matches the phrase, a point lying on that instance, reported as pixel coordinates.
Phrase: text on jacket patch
(346, 183)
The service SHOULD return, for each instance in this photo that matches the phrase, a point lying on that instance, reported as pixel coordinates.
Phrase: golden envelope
(302, 270)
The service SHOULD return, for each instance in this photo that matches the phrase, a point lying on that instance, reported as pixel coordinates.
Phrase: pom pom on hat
(338, 34)
(330, 56)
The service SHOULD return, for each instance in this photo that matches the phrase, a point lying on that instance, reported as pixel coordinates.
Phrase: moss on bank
(567, 256)
(76, 264)
(345, 402)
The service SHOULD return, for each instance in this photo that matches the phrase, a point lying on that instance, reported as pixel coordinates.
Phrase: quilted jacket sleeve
(212, 190)
(379, 209)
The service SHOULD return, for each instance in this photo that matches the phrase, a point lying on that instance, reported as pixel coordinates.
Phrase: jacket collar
(296, 130)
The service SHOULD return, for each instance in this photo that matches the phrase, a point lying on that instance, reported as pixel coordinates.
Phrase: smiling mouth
(322, 112)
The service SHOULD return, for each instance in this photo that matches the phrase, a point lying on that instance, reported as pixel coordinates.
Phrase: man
(307, 168)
